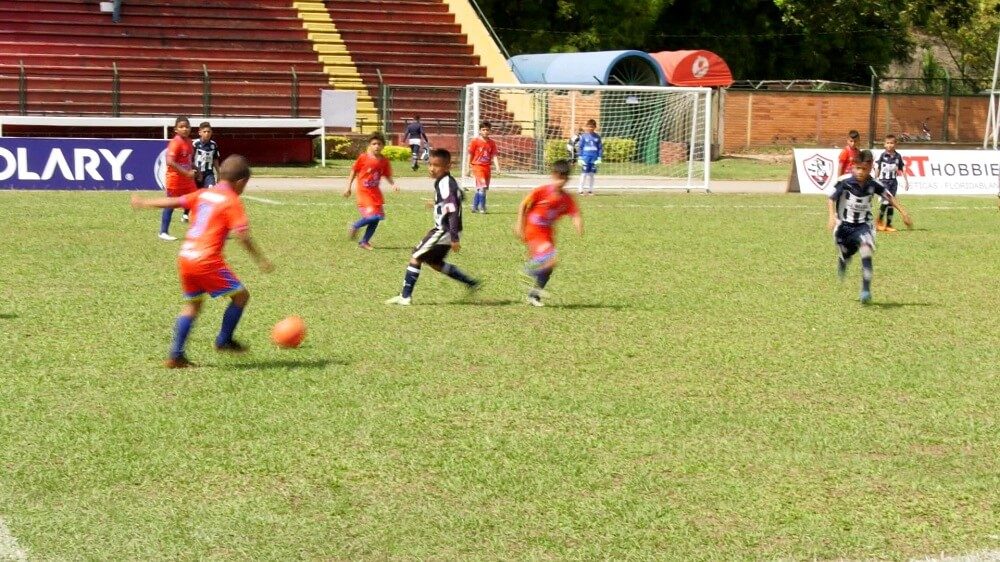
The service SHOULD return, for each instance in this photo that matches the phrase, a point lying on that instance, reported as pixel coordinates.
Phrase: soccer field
(699, 387)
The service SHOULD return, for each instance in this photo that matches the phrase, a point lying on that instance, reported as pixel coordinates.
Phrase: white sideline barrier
(315, 125)
(930, 172)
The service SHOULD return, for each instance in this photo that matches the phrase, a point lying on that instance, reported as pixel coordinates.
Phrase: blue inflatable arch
(610, 68)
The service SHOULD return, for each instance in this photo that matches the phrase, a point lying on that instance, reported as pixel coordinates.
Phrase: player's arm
(895, 205)
(831, 206)
(157, 203)
(496, 162)
(215, 163)
(902, 172)
(522, 215)
(600, 150)
(243, 235)
(350, 182)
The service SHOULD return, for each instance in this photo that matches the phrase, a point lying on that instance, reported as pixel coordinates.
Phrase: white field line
(984, 556)
(10, 551)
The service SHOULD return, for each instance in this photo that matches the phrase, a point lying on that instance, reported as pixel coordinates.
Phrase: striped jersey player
(444, 237)
(850, 219)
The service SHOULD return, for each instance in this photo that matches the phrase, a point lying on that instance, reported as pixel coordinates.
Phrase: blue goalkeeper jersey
(591, 147)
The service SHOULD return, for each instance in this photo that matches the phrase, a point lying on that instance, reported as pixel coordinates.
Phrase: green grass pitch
(700, 388)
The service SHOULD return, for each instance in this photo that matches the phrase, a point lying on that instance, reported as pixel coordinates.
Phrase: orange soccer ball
(289, 332)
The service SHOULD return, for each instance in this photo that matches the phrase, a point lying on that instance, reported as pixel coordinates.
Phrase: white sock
(590, 182)
(583, 182)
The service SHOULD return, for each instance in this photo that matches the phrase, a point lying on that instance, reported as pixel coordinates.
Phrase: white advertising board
(930, 172)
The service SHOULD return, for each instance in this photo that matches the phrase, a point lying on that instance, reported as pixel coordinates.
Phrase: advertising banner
(82, 164)
(930, 172)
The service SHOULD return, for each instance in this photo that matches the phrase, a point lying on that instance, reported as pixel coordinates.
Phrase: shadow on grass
(377, 248)
(889, 305)
(484, 302)
(588, 305)
(7, 316)
(286, 364)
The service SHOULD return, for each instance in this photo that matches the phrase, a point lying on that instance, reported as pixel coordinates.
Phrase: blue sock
(370, 231)
(542, 277)
(181, 330)
(229, 321)
(165, 220)
(365, 221)
(410, 280)
(482, 200)
(866, 273)
(458, 275)
(475, 199)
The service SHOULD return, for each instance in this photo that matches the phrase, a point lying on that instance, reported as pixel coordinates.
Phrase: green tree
(966, 28)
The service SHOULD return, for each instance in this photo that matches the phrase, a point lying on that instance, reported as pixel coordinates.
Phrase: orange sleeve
(356, 168)
(472, 146)
(188, 201)
(386, 168)
(172, 150)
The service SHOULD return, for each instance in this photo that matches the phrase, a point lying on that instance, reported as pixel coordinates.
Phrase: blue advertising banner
(120, 164)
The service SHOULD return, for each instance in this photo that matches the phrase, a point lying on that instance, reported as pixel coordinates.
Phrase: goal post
(654, 137)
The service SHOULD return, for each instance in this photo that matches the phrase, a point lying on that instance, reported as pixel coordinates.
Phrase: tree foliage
(760, 39)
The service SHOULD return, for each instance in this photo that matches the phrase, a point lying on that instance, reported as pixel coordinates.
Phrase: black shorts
(850, 236)
(433, 248)
(891, 186)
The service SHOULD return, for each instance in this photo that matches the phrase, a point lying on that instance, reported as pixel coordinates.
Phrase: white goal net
(653, 137)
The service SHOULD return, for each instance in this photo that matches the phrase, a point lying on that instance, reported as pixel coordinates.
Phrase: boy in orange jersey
(849, 154)
(536, 218)
(215, 213)
(180, 171)
(482, 155)
(369, 169)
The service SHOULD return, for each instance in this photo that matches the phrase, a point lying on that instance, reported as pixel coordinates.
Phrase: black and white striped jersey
(889, 165)
(448, 206)
(854, 199)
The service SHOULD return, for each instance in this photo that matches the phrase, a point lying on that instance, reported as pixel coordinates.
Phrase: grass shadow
(7, 316)
(890, 305)
(286, 364)
(588, 305)
(377, 248)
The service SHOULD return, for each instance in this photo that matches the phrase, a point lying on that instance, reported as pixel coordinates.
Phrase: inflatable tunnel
(610, 68)
(694, 68)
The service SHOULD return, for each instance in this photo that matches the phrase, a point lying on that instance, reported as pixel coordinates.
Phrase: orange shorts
(197, 279)
(180, 189)
(482, 175)
(371, 211)
(541, 244)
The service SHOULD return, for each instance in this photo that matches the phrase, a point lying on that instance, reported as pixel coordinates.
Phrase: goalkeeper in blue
(850, 209)
(590, 150)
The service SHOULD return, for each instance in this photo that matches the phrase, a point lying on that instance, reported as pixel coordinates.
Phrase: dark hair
(376, 137)
(854, 134)
(591, 123)
(865, 157)
(182, 119)
(561, 167)
(441, 153)
(416, 118)
(204, 125)
(890, 137)
(234, 168)
(485, 125)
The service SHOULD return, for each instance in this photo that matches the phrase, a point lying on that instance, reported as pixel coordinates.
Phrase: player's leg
(867, 249)
(847, 246)
(888, 208)
(223, 283)
(176, 359)
(165, 217)
(366, 238)
(420, 252)
(414, 156)
(435, 259)
(543, 262)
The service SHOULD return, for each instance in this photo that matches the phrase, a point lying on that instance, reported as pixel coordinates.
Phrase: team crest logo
(819, 170)
(700, 66)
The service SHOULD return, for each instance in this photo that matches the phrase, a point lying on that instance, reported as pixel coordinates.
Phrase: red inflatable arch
(694, 68)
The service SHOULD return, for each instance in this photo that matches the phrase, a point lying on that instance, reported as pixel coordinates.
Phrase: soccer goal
(654, 137)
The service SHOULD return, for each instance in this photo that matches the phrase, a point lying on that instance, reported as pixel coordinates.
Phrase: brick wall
(767, 118)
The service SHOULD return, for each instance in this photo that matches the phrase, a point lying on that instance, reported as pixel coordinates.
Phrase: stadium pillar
(873, 109)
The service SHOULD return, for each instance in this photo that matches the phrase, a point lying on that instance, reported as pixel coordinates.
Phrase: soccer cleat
(414, 167)
(352, 233)
(879, 225)
(866, 297)
(400, 300)
(535, 301)
(178, 363)
(185, 217)
(167, 238)
(231, 346)
(890, 229)
(365, 246)
(841, 269)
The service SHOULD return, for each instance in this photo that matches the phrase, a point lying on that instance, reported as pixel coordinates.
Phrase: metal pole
(206, 92)
(22, 89)
(873, 109)
(295, 94)
(322, 146)
(708, 138)
(947, 105)
(993, 123)
(116, 91)
(692, 143)
(383, 110)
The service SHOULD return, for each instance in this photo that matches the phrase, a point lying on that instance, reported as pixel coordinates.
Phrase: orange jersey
(215, 212)
(847, 158)
(370, 170)
(482, 151)
(180, 151)
(546, 205)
